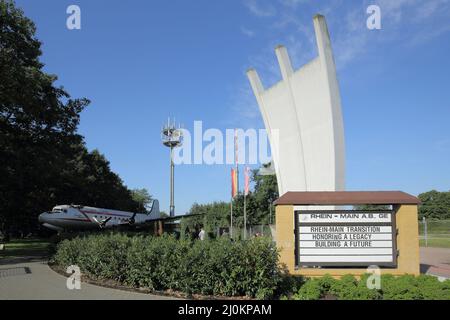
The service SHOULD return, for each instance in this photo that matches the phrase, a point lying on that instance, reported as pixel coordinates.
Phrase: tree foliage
(371, 207)
(211, 216)
(435, 205)
(43, 159)
(259, 205)
(142, 197)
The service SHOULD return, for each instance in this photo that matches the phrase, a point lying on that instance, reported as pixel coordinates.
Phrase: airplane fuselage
(70, 217)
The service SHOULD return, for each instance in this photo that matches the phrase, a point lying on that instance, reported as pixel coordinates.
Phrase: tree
(265, 193)
(371, 207)
(90, 181)
(37, 120)
(211, 216)
(142, 197)
(163, 214)
(435, 205)
(217, 214)
(43, 160)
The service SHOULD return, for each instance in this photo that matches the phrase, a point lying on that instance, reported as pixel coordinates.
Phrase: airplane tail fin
(154, 211)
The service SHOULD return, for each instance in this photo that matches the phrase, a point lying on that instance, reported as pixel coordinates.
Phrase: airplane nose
(43, 217)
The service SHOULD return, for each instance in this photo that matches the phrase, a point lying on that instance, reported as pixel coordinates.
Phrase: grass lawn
(436, 242)
(438, 233)
(25, 247)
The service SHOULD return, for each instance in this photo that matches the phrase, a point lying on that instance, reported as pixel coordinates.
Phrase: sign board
(345, 238)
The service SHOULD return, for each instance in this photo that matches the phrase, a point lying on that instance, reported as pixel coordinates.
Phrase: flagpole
(231, 222)
(233, 190)
(245, 216)
(246, 188)
(236, 160)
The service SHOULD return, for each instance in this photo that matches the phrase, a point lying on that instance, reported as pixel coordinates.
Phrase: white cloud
(394, 10)
(244, 108)
(427, 9)
(292, 3)
(266, 65)
(249, 33)
(428, 34)
(260, 8)
(404, 22)
(350, 40)
(415, 21)
(430, 8)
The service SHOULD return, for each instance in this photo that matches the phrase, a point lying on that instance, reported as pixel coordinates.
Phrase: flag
(233, 183)
(247, 180)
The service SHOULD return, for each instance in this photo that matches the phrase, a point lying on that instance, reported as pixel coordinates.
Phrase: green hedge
(216, 267)
(222, 267)
(406, 287)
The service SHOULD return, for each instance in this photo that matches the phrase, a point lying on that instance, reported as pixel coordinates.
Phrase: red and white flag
(233, 183)
(247, 180)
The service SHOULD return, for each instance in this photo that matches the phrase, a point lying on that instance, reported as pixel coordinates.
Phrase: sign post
(327, 232)
(425, 231)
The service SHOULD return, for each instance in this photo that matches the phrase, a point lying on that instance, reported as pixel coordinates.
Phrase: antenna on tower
(172, 137)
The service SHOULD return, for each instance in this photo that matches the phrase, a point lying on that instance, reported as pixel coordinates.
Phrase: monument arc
(303, 118)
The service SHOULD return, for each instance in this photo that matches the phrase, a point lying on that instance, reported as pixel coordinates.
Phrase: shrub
(315, 288)
(288, 284)
(399, 288)
(349, 288)
(432, 289)
(216, 267)
(223, 267)
(311, 290)
(405, 287)
(409, 287)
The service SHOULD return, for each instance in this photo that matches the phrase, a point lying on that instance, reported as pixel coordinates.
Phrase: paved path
(435, 261)
(33, 279)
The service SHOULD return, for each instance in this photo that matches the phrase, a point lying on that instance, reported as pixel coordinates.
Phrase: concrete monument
(305, 109)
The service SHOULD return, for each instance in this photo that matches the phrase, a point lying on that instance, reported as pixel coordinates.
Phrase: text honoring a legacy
(345, 237)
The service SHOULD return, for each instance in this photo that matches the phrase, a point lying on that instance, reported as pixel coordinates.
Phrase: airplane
(78, 217)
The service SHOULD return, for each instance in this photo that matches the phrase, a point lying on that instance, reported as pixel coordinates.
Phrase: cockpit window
(59, 210)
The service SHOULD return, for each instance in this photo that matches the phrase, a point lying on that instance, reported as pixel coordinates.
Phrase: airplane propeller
(132, 220)
(102, 223)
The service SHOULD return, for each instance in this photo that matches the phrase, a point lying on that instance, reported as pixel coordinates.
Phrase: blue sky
(142, 61)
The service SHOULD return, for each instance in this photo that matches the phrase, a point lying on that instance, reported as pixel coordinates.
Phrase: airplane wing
(174, 217)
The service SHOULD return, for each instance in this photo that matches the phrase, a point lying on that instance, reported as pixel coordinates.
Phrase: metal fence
(434, 233)
(260, 230)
